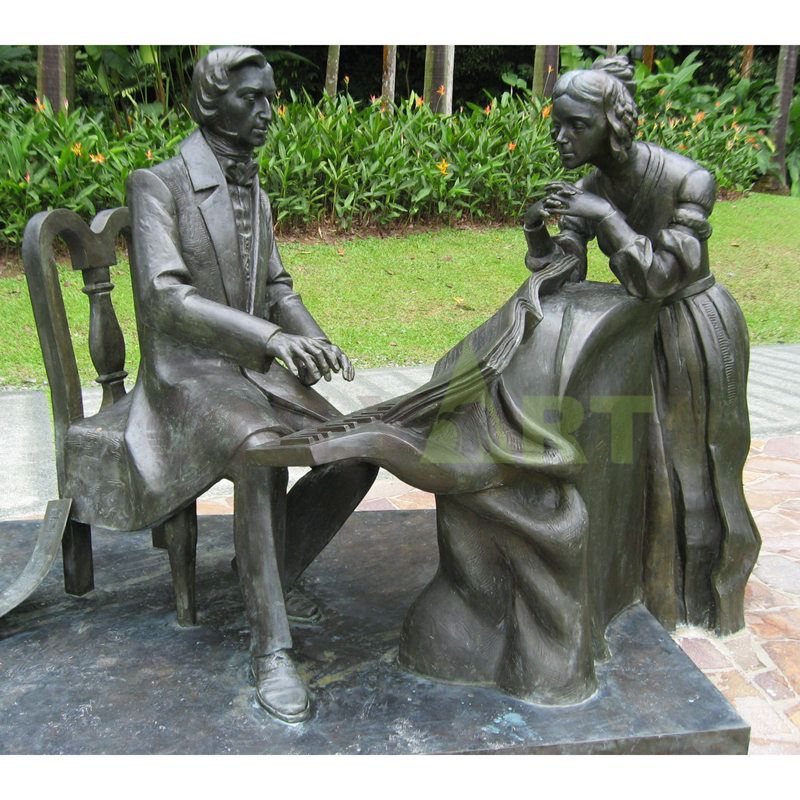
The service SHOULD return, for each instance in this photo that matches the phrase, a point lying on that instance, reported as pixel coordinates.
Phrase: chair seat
(96, 462)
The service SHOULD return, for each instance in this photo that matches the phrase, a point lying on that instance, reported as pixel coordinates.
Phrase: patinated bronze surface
(215, 307)
(586, 443)
(648, 208)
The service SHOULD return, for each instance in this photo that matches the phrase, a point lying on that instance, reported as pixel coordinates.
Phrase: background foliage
(355, 162)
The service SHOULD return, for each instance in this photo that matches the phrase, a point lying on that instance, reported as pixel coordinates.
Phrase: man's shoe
(279, 689)
(300, 608)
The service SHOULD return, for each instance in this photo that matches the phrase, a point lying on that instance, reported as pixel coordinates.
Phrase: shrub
(351, 163)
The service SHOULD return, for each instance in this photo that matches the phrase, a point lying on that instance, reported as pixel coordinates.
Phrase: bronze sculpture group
(545, 531)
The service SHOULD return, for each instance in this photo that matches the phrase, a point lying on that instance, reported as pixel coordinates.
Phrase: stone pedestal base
(113, 673)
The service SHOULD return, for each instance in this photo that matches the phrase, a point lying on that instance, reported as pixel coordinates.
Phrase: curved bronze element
(43, 557)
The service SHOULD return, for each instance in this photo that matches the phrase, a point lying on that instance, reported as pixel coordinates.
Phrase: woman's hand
(535, 215)
(566, 198)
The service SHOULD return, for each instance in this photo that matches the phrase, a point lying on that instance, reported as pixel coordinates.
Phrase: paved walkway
(758, 669)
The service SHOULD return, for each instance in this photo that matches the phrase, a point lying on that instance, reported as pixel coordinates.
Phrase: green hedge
(349, 163)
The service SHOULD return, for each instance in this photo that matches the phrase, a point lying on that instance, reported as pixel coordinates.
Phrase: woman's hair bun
(620, 68)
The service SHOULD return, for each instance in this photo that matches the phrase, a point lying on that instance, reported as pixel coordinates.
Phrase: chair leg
(76, 548)
(159, 537)
(180, 532)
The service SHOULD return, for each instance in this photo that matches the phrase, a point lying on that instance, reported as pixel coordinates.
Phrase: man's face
(244, 110)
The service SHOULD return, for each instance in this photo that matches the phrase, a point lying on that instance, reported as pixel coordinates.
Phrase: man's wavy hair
(609, 86)
(211, 79)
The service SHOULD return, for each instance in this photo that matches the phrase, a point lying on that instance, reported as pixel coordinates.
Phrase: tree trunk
(747, 60)
(649, 56)
(332, 69)
(545, 69)
(389, 74)
(438, 91)
(538, 71)
(55, 78)
(611, 49)
(787, 69)
(551, 56)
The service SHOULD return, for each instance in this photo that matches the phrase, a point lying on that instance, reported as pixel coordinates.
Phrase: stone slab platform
(113, 673)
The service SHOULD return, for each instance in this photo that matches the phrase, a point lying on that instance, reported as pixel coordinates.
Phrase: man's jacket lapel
(217, 211)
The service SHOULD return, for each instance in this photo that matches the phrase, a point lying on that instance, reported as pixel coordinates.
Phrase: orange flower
(77, 149)
(97, 158)
(373, 99)
(420, 101)
(512, 146)
(736, 126)
(699, 117)
(682, 146)
(487, 110)
(441, 90)
(750, 139)
(27, 177)
(149, 155)
(281, 110)
(40, 106)
(546, 111)
(346, 80)
(442, 167)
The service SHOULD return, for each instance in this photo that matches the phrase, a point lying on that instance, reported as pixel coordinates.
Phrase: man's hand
(309, 359)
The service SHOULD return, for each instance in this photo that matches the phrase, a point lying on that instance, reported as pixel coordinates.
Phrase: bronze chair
(78, 438)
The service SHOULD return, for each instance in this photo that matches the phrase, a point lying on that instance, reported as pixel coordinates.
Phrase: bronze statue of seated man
(216, 308)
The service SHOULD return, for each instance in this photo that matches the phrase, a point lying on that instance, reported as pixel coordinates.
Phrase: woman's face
(580, 131)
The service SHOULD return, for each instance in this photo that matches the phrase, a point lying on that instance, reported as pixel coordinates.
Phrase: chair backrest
(92, 251)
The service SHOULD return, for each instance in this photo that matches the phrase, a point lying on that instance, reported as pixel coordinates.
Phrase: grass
(405, 300)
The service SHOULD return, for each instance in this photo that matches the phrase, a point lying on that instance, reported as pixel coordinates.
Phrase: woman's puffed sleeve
(676, 257)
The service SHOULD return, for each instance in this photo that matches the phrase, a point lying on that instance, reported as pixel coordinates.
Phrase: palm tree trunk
(55, 77)
(332, 69)
(389, 75)
(545, 69)
(787, 70)
(438, 91)
(747, 60)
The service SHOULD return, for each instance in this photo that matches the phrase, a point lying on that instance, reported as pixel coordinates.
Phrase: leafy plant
(355, 163)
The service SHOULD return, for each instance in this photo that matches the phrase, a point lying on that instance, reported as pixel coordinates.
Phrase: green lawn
(404, 300)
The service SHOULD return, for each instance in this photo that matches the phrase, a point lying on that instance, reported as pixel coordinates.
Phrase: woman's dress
(700, 536)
